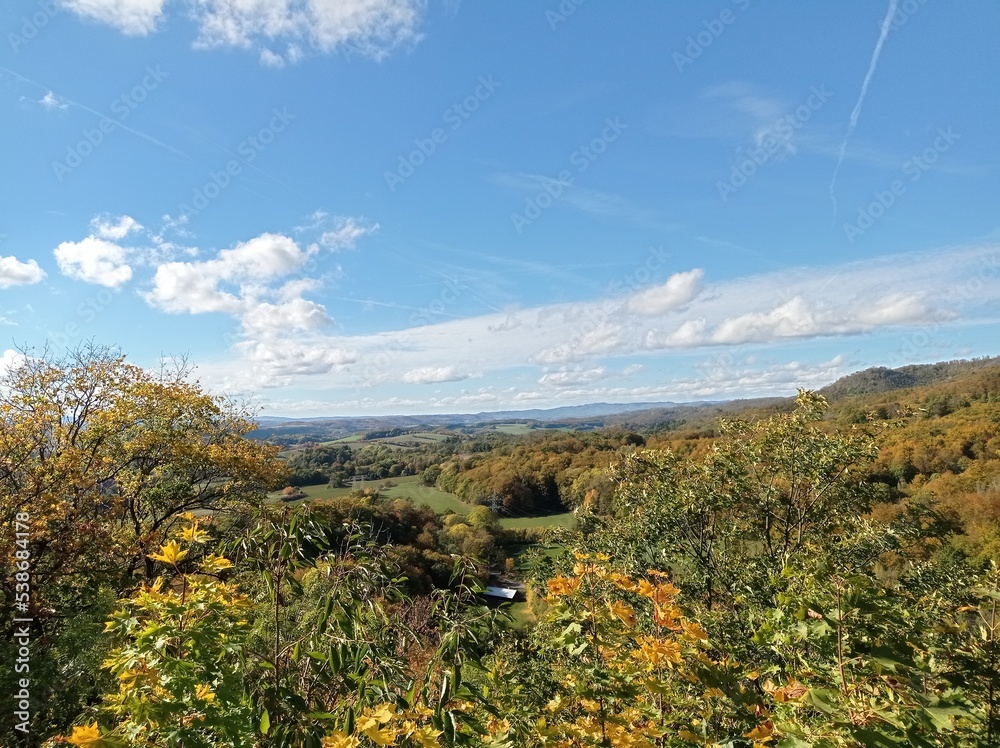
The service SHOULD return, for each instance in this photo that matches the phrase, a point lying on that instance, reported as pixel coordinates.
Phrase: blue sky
(392, 206)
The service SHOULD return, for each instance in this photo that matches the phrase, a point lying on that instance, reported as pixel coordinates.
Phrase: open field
(410, 487)
(343, 440)
(566, 519)
(407, 487)
(516, 429)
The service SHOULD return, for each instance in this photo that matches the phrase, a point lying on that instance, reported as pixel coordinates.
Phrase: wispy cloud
(51, 101)
(771, 309)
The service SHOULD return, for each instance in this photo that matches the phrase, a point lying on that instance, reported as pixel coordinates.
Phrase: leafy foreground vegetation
(784, 582)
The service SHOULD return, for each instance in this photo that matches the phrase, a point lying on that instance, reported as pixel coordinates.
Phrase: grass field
(416, 439)
(566, 519)
(344, 440)
(440, 501)
(516, 429)
(521, 613)
(408, 487)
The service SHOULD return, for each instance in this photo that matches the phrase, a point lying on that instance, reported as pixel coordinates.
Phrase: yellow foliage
(340, 739)
(170, 553)
(213, 564)
(86, 736)
(426, 737)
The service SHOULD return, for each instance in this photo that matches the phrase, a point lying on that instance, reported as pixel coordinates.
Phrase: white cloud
(13, 272)
(133, 17)
(11, 360)
(895, 309)
(680, 289)
(573, 377)
(804, 306)
(795, 318)
(271, 60)
(604, 338)
(279, 30)
(690, 333)
(295, 314)
(94, 260)
(51, 101)
(433, 375)
(180, 287)
(264, 257)
(372, 28)
(114, 230)
(281, 333)
(287, 357)
(345, 233)
(194, 287)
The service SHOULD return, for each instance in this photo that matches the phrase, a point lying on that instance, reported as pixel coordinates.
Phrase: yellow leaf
(697, 632)
(624, 613)
(86, 736)
(213, 563)
(365, 722)
(760, 732)
(383, 713)
(792, 692)
(421, 710)
(658, 651)
(338, 739)
(204, 693)
(426, 737)
(560, 585)
(170, 553)
(192, 534)
(381, 736)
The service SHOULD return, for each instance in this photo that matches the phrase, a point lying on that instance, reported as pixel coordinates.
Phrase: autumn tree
(103, 457)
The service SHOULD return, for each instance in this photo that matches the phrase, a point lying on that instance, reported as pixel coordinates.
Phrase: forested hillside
(798, 572)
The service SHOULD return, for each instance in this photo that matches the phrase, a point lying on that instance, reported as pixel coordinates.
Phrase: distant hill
(589, 410)
(882, 379)
(326, 428)
(646, 417)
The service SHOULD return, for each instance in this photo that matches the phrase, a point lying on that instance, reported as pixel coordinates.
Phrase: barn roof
(505, 592)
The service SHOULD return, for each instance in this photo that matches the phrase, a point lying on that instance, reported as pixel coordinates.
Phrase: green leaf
(790, 741)
(265, 722)
(822, 699)
(942, 716)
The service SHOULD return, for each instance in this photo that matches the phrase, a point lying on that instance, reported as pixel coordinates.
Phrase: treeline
(539, 473)
(336, 464)
(421, 543)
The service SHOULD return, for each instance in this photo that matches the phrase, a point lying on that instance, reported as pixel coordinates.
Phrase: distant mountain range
(647, 415)
(590, 410)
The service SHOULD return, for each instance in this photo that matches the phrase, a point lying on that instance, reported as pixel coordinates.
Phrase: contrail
(856, 113)
(117, 123)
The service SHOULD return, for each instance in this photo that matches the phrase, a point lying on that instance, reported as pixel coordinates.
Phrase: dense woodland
(817, 571)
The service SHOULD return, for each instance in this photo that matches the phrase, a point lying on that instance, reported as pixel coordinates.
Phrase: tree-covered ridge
(883, 379)
(795, 576)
